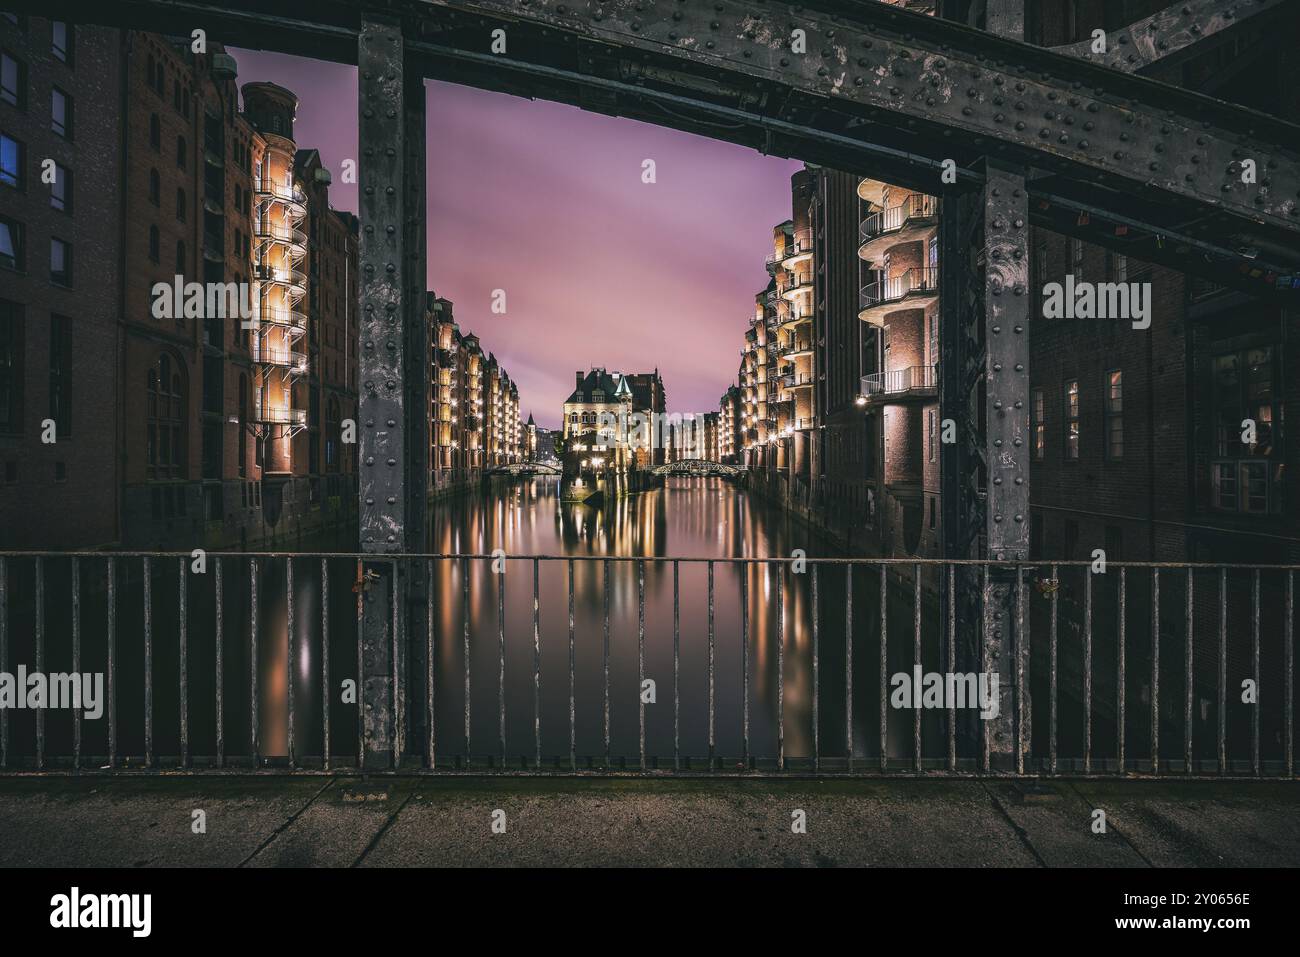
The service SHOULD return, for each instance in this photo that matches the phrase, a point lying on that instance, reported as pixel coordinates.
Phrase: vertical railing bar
(501, 665)
(325, 661)
(573, 681)
(984, 661)
(605, 660)
(744, 664)
(148, 663)
(1119, 667)
(254, 731)
(1019, 711)
(537, 669)
(1189, 681)
(40, 657)
(884, 668)
(290, 630)
(219, 666)
(1254, 652)
(916, 654)
(1087, 671)
(1155, 671)
(396, 653)
(1289, 637)
(1052, 671)
(76, 657)
(4, 656)
(183, 664)
(780, 667)
(464, 607)
(110, 636)
(359, 589)
(952, 664)
(640, 652)
(816, 723)
(430, 675)
(712, 741)
(677, 640)
(1222, 737)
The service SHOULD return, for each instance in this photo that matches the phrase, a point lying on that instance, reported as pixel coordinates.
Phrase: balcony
(285, 357)
(912, 382)
(797, 346)
(289, 318)
(291, 236)
(796, 380)
(295, 417)
(907, 222)
(914, 289)
(291, 196)
(796, 285)
(294, 280)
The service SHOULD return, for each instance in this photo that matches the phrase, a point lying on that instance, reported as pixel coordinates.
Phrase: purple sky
(546, 202)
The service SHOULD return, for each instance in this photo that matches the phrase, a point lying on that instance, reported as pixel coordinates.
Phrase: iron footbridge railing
(530, 664)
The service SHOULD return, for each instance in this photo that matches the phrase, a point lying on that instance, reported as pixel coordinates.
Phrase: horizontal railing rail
(250, 661)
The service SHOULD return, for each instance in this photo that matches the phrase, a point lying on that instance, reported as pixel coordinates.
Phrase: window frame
(1071, 419)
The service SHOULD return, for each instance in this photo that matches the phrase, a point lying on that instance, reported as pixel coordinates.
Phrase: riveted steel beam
(1176, 31)
(383, 359)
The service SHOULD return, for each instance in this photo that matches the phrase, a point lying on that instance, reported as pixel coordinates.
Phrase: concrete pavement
(392, 822)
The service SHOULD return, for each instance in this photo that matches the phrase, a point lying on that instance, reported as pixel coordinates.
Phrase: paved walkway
(344, 821)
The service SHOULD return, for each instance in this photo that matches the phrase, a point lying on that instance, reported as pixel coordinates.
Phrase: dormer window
(598, 396)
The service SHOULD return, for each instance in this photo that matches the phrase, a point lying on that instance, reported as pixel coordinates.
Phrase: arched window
(154, 250)
(165, 448)
(180, 257)
(155, 189)
(155, 132)
(332, 435)
(180, 152)
(180, 204)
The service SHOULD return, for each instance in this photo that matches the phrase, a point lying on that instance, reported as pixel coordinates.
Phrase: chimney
(579, 383)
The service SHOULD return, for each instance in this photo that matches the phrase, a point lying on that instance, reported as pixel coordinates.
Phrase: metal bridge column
(393, 373)
(984, 390)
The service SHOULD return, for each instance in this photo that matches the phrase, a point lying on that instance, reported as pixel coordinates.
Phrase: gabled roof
(614, 385)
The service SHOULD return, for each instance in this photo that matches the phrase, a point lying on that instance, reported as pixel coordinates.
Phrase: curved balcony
(909, 221)
(281, 416)
(284, 357)
(796, 285)
(291, 236)
(914, 289)
(911, 382)
(872, 191)
(294, 199)
(295, 280)
(798, 346)
(285, 317)
(795, 380)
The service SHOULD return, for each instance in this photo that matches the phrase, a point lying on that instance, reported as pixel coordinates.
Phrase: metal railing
(238, 664)
(894, 218)
(900, 380)
(900, 287)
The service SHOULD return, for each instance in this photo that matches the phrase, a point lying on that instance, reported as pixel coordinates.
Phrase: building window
(1076, 259)
(180, 204)
(1040, 425)
(13, 250)
(60, 262)
(61, 113)
(180, 257)
(11, 366)
(61, 41)
(155, 252)
(165, 421)
(13, 81)
(1244, 398)
(155, 188)
(932, 419)
(61, 189)
(13, 162)
(1116, 267)
(1115, 414)
(61, 374)
(180, 152)
(1072, 419)
(155, 133)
